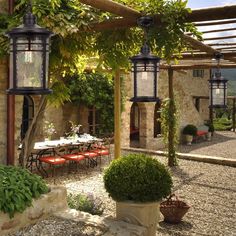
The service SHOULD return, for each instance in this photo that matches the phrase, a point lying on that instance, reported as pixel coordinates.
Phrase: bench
(202, 131)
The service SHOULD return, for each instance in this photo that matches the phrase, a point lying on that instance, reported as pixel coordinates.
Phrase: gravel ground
(209, 190)
(222, 145)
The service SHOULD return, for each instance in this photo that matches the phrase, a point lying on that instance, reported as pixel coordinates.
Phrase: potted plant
(189, 132)
(137, 183)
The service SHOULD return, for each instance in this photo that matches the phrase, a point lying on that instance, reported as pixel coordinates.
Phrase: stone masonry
(185, 87)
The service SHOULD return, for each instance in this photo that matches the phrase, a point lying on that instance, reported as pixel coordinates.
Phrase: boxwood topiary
(190, 130)
(18, 187)
(138, 178)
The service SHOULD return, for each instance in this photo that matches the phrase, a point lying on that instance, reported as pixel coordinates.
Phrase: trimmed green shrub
(190, 130)
(222, 124)
(85, 202)
(137, 177)
(18, 187)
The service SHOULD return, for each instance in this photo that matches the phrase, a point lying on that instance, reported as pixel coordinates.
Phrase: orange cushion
(90, 154)
(52, 160)
(103, 152)
(73, 157)
(200, 133)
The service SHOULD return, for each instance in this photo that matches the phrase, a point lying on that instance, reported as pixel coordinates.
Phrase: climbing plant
(170, 128)
(94, 89)
(75, 43)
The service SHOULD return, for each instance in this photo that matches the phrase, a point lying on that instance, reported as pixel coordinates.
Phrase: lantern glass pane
(218, 94)
(145, 80)
(29, 62)
(29, 69)
(145, 84)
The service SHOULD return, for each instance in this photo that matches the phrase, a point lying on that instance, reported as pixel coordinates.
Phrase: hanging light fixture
(145, 69)
(218, 87)
(29, 56)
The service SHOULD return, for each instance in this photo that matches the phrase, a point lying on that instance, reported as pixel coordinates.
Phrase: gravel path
(223, 144)
(209, 189)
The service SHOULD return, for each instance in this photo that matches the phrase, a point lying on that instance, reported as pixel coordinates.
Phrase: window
(93, 120)
(197, 103)
(157, 116)
(198, 73)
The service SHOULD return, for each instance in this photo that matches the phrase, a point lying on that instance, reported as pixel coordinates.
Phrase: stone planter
(188, 139)
(44, 206)
(208, 136)
(143, 214)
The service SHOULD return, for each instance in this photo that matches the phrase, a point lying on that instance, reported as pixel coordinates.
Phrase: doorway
(134, 125)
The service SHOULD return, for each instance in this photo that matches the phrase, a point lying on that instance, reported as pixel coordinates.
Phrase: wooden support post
(234, 111)
(10, 114)
(117, 103)
(171, 145)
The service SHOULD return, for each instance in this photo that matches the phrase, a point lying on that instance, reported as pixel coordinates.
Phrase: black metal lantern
(29, 56)
(145, 71)
(218, 87)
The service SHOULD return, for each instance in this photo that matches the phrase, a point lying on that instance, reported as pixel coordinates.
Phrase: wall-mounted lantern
(145, 70)
(218, 87)
(29, 56)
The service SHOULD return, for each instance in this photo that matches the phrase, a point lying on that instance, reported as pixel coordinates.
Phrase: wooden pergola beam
(217, 30)
(113, 7)
(220, 44)
(213, 13)
(197, 66)
(220, 22)
(207, 14)
(187, 56)
(199, 45)
(219, 38)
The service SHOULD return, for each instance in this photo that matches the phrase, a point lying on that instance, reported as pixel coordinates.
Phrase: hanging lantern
(29, 56)
(145, 71)
(218, 88)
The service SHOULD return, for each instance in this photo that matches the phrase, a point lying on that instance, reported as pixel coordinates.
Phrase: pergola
(201, 53)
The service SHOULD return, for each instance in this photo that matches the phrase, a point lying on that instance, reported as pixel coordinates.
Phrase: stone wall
(185, 88)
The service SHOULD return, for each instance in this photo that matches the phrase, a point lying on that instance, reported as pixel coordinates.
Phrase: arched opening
(134, 125)
(27, 115)
(157, 116)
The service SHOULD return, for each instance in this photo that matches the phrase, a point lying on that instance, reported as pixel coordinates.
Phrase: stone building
(140, 127)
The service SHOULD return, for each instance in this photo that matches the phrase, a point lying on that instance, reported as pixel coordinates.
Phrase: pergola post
(10, 114)
(117, 110)
(171, 145)
(234, 111)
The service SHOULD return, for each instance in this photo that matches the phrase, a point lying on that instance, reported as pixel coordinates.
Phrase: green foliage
(72, 47)
(93, 89)
(222, 124)
(137, 177)
(190, 130)
(18, 187)
(85, 202)
(170, 127)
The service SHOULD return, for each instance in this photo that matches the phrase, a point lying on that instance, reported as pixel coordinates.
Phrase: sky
(194, 4)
